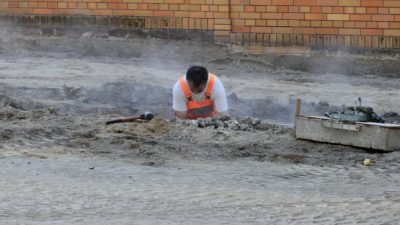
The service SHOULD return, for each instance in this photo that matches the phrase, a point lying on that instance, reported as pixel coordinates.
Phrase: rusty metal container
(382, 136)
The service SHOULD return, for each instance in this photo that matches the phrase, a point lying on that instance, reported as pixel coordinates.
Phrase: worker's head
(197, 77)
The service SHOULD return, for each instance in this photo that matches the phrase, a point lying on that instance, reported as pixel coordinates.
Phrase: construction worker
(199, 94)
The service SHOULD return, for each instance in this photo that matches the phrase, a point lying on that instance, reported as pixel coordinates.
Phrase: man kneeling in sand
(199, 94)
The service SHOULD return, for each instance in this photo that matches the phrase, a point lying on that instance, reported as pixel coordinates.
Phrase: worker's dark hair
(197, 74)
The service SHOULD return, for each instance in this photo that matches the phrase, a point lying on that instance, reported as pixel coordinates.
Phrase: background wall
(326, 23)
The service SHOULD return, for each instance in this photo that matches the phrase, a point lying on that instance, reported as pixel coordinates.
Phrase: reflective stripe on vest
(201, 109)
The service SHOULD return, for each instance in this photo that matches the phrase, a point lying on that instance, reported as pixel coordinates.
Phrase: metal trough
(382, 136)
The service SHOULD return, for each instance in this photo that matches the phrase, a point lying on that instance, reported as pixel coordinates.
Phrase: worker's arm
(220, 100)
(179, 102)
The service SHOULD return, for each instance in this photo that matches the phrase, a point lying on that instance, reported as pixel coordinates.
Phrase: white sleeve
(179, 99)
(219, 96)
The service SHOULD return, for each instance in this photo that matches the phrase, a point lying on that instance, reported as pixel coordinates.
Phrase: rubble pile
(237, 124)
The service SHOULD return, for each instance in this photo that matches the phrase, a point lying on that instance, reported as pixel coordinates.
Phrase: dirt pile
(163, 140)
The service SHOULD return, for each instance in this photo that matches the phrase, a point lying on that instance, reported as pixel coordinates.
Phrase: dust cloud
(62, 164)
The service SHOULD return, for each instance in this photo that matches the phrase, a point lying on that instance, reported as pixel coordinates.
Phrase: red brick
(326, 30)
(338, 16)
(139, 12)
(260, 2)
(282, 2)
(31, 5)
(327, 24)
(304, 30)
(304, 2)
(315, 9)
(360, 17)
(249, 8)
(63, 12)
(237, 8)
(240, 28)
(349, 24)
(326, 10)
(213, 8)
(151, 6)
(394, 11)
(349, 10)
(261, 29)
(222, 21)
(344, 31)
(182, 14)
(205, 8)
(271, 15)
(282, 30)
(221, 15)
(43, 11)
(234, 15)
(293, 16)
(392, 32)
(294, 9)
(122, 6)
(261, 23)
(371, 32)
(13, 4)
(372, 3)
(372, 24)
(240, 2)
(54, 5)
(337, 23)
(395, 3)
(394, 25)
(174, 1)
(349, 3)
(261, 9)
(382, 18)
(383, 24)
(81, 5)
(315, 23)
(164, 13)
(5, 4)
(361, 24)
(197, 14)
(315, 16)
(327, 2)
(294, 23)
(283, 9)
(140, 6)
(221, 2)
(102, 12)
(372, 10)
(383, 11)
(222, 27)
(62, 5)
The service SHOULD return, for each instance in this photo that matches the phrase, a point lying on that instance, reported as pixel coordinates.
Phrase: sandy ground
(62, 165)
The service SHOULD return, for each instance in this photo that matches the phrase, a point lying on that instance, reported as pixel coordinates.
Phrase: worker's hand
(186, 122)
(222, 116)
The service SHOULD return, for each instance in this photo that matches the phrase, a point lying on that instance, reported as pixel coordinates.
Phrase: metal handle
(357, 99)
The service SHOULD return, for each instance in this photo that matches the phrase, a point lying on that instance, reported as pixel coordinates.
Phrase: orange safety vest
(201, 109)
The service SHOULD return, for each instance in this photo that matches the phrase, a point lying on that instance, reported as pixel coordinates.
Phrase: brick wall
(327, 23)
(179, 14)
(332, 23)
